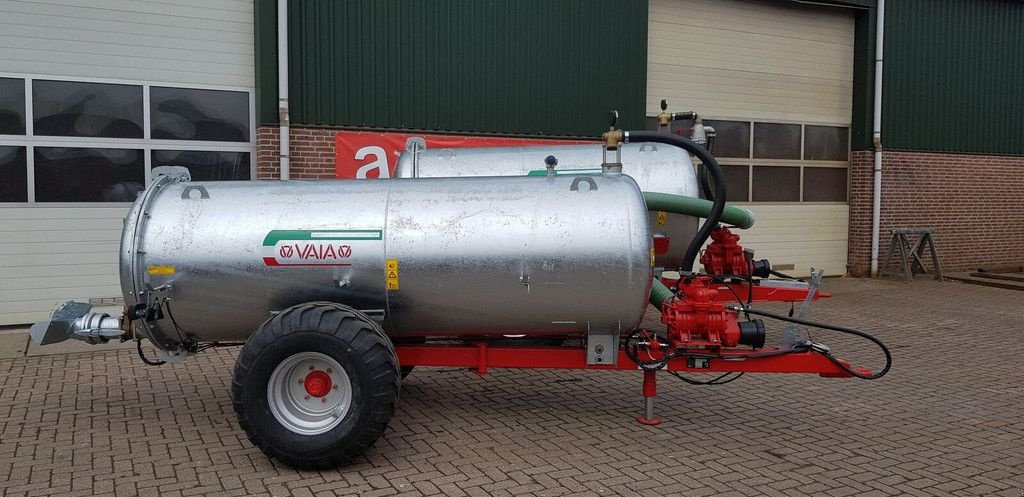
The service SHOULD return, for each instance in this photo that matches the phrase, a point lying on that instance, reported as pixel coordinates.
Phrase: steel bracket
(602, 346)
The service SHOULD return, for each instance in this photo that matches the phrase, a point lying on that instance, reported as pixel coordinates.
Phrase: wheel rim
(309, 393)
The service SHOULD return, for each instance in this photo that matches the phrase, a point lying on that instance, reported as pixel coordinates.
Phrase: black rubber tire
(406, 371)
(349, 337)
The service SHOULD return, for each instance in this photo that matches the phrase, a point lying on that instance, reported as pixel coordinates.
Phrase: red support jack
(650, 391)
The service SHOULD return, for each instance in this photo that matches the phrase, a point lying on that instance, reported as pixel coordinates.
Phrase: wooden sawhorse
(911, 250)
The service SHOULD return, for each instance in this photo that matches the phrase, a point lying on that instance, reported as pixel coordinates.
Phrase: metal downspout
(282, 87)
(876, 207)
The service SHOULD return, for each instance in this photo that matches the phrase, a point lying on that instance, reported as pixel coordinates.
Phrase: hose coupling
(664, 119)
(612, 163)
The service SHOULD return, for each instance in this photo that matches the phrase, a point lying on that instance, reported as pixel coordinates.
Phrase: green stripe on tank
(277, 235)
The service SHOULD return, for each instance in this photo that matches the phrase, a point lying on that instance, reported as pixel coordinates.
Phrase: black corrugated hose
(712, 166)
(832, 327)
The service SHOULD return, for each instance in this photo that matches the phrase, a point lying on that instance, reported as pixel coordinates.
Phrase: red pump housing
(724, 255)
(698, 319)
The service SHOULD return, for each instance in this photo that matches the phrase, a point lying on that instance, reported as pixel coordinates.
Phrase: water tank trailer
(336, 289)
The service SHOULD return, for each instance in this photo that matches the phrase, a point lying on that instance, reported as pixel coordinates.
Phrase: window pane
(776, 184)
(206, 166)
(12, 106)
(776, 141)
(732, 138)
(826, 143)
(824, 184)
(13, 175)
(185, 114)
(67, 108)
(737, 183)
(88, 174)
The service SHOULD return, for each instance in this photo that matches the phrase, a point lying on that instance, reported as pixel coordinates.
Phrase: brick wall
(312, 153)
(975, 203)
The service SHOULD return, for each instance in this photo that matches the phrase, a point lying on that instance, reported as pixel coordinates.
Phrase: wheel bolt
(311, 368)
(300, 381)
(335, 387)
(306, 397)
(329, 370)
(323, 399)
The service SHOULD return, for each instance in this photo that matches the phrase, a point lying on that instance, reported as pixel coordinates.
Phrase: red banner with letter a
(360, 155)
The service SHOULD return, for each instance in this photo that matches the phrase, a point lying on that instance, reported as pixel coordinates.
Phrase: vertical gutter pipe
(876, 135)
(282, 87)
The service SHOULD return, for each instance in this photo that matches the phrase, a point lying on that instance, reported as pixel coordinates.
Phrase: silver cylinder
(655, 167)
(548, 255)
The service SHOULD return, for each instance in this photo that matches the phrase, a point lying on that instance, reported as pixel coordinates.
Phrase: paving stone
(13, 345)
(946, 421)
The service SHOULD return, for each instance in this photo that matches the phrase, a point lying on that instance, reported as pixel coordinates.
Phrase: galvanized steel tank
(655, 167)
(462, 256)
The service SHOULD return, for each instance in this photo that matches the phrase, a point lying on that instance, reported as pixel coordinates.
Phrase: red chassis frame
(759, 293)
(696, 319)
(481, 356)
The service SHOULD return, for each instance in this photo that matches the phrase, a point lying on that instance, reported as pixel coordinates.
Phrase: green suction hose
(697, 207)
(659, 293)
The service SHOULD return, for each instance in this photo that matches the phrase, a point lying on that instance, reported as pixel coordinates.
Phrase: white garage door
(775, 79)
(93, 94)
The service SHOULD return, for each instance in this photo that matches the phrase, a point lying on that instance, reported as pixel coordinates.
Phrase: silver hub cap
(309, 393)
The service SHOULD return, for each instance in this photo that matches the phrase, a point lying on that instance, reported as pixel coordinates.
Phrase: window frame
(29, 140)
(750, 161)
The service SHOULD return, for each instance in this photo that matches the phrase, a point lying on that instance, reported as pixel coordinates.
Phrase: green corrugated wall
(478, 66)
(953, 77)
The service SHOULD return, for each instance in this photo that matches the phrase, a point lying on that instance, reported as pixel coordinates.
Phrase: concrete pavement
(948, 420)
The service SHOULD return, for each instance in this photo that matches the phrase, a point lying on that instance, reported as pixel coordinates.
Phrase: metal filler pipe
(876, 135)
(282, 86)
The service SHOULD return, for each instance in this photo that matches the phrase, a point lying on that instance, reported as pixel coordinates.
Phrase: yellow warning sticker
(652, 256)
(160, 270)
(391, 274)
(662, 218)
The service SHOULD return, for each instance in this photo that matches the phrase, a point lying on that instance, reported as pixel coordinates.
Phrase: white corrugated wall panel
(739, 59)
(804, 235)
(194, 42)
(52, 254)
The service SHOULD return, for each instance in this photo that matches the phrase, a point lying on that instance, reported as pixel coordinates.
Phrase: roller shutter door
(776, 72)
(80, 75)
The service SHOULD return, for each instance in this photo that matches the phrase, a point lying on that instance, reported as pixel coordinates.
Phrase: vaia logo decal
(314, 247)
